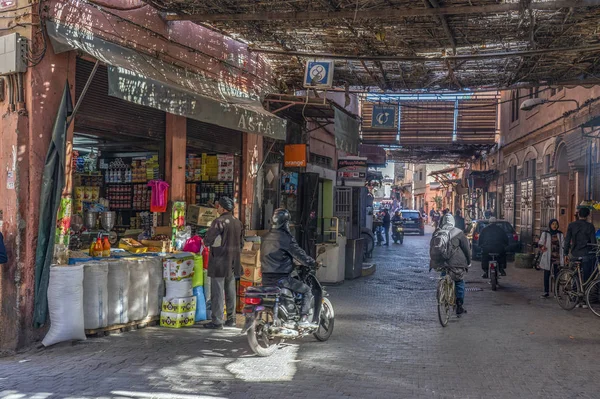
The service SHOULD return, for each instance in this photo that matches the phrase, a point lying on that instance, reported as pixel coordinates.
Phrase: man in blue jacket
(3, 257)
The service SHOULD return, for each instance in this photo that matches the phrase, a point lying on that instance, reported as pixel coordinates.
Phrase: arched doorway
(566, 207)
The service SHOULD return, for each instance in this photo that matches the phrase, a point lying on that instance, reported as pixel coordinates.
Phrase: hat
(493, 220)
(226, 203)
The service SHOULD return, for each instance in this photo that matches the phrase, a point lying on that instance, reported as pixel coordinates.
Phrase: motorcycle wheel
(258, 338)
(402, 240)
(326, 322)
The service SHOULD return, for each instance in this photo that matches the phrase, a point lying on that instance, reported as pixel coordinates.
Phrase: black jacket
(278, 251)
(386, 219)
(493, 238)
(3, 257)
(225, 239)
(579, 234)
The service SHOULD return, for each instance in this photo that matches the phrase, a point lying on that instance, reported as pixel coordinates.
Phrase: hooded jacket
(278, 251)
(461, 258)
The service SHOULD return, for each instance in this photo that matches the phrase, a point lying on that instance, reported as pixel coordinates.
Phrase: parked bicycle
(571, 289)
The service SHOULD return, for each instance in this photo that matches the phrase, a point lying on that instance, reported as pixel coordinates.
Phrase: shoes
(304, 323)
(503, 273)
(230, 323)
(484, 275)
(584, 306)
(213, 326)
(386, 244)
(545, 295)
(459, 307)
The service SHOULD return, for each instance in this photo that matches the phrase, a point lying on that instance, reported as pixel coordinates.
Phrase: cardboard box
(179, 305)
(251, 273)
(157, 246)
(250, 258)
(243, 285)
(240, 304)
(260, 233)
(177, 320)
(178, 267)
(200, 215)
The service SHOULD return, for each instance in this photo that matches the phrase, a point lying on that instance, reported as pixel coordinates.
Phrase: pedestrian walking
(551, 245)
(225, 239)
(386, 226)
(459, 221)
(580, 233)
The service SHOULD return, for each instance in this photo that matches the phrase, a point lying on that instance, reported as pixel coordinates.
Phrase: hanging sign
(352, 171)
(384, 116)
(318, 74)
(295, 156)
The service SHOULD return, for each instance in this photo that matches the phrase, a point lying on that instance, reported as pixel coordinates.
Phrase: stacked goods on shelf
(118, 172)
(179, 304)
(141, 197)
(190, 193)
(120, 196)
(152, 168)
(193, 169)
(225, 170)
(86, 189)
(251, 269)
(210, 167)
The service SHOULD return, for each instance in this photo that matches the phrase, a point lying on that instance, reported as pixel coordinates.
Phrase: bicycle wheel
(567, 289)
(494, 278)
(592, 297)
(443, 302)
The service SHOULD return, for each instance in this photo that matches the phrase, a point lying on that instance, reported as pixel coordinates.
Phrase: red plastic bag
(194, 245)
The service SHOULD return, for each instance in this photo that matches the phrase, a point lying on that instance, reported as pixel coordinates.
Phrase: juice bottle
(106, 248)
(98, 248)
(92, 248)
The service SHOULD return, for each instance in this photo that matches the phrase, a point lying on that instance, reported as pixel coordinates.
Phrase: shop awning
(147, 81)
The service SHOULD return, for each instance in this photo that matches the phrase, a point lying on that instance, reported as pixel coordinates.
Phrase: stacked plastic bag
(95, 295)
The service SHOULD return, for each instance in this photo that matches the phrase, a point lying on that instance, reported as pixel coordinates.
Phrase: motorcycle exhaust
(281, 332)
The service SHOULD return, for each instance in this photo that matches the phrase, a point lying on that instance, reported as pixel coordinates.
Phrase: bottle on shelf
(105, 247)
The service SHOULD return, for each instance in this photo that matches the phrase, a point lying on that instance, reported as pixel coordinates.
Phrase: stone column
(175, 153)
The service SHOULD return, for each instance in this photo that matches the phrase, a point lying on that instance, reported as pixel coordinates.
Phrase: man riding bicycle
(458, 261)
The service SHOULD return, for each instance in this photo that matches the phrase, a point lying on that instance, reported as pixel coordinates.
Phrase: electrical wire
(36, 59)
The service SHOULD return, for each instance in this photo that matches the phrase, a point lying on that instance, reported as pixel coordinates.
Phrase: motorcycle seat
(264, 290)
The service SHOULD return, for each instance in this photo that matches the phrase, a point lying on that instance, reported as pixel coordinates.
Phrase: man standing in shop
(225, 241)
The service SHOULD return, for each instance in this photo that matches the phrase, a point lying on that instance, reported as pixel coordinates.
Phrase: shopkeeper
(225, 241)
(3, 257)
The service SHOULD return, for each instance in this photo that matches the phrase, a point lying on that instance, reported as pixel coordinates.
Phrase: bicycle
(570, 287)
(446, 298)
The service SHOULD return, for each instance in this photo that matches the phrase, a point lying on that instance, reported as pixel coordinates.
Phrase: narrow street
(387, 343)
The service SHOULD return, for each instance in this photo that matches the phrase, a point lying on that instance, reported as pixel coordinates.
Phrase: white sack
(179, 289)
(65, 304)
(138, 288)
(118, 292)
(95, 295)
(156, 286)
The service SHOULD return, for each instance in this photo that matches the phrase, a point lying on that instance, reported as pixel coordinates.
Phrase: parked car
(412, 222)
(474, 229)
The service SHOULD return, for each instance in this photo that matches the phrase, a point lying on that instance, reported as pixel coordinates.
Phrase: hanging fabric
(160, 195)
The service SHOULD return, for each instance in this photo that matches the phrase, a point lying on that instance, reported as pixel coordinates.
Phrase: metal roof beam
(385, 13)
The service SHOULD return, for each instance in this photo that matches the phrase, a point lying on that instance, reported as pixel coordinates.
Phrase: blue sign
(318, 74)
(384, 116)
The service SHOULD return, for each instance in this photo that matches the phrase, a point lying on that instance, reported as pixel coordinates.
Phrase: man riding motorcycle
(397, 218)
(493, 239)
(279, 249)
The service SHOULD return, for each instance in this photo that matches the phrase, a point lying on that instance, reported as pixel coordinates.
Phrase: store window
(420, 175)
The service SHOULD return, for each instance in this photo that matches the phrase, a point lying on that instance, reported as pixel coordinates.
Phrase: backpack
(441, 248)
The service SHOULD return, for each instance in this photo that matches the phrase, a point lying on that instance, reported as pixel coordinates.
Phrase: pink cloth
(158, 192)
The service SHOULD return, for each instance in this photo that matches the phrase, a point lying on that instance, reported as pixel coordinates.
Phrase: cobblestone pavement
(387, 343)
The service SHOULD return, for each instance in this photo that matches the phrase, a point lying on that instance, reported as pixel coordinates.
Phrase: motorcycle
(397, 232)
(494, 270)
(272, 314)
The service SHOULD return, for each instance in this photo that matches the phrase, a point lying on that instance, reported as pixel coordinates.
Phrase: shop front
(155, 147)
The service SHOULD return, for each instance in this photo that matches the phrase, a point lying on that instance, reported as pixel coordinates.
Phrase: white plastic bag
(156, 285)
(138, 288)
(65, 304)
(118, 292)
(179, 289)
(95, 295)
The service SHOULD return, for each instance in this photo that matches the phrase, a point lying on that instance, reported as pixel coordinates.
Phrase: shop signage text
(295, 156)
(352, 171)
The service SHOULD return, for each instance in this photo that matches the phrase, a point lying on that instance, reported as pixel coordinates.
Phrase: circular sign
(317, 73)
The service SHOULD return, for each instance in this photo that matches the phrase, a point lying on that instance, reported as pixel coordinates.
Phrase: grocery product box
(179, 305)
(200, 215)
(178, 267)
(240, 304)
(243, 286)
(157, 246)
(177, 320)
(251, 273)
(251, 254)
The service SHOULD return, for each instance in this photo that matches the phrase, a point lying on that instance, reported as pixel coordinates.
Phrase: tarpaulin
(50, 197)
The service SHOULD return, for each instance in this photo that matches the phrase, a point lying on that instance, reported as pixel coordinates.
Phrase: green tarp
(52, 186)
